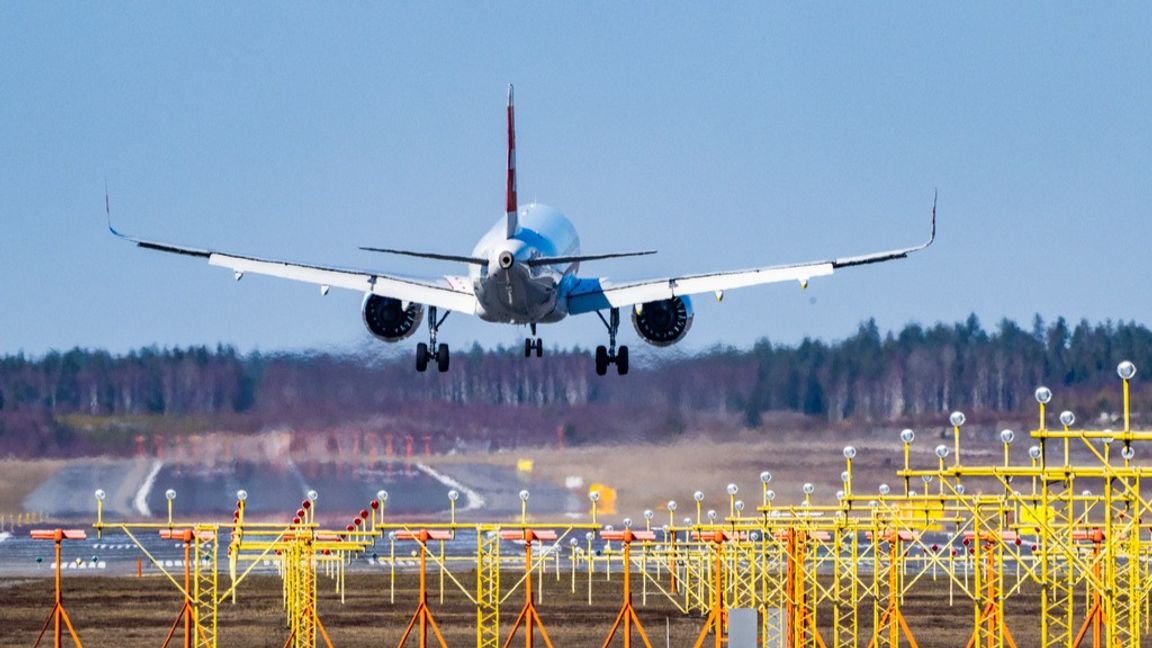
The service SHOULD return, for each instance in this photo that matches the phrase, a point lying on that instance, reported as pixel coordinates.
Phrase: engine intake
(665, 322)
(387, 319)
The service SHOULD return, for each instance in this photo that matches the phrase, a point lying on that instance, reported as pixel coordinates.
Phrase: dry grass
(647, 476)
(130, 613)
(20, 477)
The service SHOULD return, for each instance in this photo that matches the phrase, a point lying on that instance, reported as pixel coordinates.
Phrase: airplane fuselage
(508, 289)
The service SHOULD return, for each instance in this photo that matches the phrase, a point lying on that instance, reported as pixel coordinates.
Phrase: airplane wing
(598, 294)
(448, 292)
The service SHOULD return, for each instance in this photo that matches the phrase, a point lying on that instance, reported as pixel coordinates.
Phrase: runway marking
(4, 536)
(141, 501)
(473, 499)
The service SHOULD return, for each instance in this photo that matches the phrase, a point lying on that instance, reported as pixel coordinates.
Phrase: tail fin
(510, 194)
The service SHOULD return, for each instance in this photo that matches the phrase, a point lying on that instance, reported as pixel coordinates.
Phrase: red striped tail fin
(510, 193)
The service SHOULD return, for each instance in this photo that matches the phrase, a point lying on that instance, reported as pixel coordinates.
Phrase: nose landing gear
(533, 344)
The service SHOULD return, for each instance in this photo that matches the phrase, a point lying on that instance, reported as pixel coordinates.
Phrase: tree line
(916, 373)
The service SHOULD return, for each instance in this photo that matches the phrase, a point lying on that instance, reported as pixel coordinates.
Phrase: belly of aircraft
(518, 298)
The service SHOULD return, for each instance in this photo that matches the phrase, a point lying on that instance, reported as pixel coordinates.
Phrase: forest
(50, 405)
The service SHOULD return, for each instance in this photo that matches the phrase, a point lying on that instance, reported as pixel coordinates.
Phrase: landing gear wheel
(622, 361)
(527, 347)
(601, 360)
(442, 358)
(422, 357)
(539, 348)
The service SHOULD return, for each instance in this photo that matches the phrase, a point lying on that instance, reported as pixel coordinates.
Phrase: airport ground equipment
(58, 617)
(1062, 525)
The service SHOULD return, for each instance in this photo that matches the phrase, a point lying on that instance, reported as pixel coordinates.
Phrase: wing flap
(448, 292)
(597, 294)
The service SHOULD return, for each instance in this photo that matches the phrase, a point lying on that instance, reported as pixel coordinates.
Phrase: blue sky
(764, 133)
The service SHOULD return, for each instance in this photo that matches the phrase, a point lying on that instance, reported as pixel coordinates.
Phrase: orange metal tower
(58, 612)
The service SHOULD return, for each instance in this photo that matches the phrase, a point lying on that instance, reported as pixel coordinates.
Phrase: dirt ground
(132, 612)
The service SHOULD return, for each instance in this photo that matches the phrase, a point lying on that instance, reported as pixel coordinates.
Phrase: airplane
(523, 271)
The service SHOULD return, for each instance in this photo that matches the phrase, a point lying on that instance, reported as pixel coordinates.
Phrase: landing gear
(424, 353)
(533, 343)
(610, 354)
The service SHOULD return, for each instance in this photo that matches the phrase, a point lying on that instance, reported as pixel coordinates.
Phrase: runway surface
(135, 492)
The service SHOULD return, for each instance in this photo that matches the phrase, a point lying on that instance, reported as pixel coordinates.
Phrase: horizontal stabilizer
(560, 260)
(430, 255)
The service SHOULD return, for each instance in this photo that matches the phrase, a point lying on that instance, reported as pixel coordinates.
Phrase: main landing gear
(610, 354)
(424, 353)
(533, 344)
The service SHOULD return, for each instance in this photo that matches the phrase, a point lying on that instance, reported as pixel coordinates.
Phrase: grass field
(131, 612)
(20, 477)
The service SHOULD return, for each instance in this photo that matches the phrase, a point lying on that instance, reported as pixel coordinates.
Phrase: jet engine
(388, 319)
(662, 323)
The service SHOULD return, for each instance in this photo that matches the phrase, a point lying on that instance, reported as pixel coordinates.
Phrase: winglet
(510, 204)
(108, 212)
(935, 196)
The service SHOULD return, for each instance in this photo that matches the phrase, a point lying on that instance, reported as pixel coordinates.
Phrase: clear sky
(757, 134)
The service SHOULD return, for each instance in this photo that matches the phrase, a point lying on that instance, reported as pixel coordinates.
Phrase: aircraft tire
(442, 358)
(539, 348)
(601, 360)
(622, 361)
(422, 357)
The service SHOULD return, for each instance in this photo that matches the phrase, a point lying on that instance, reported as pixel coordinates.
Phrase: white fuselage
(511, 291)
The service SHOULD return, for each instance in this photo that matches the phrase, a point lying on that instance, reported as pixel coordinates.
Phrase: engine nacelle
(665, 322)
(387, 319)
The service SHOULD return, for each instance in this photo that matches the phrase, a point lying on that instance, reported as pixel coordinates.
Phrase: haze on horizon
(765, 134)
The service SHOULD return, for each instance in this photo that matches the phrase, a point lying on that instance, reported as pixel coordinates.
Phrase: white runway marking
(472, 498)
(141, 501)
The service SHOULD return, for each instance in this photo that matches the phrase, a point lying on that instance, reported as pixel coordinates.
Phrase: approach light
(594, 496)
(453, 494)
(1007, 436)
(960, 489)
(698, 496)
(100, 494)
(671, 505)
(170, 494)
(839, 495)
(312, 495)
(1126, 369)
(885, 489)
(907, 435)
(1034, 452)
(770, 495)
(572, 542)
(732, 489)
(1067, 418)
(524, 496)
(957, 418)
(648, 514)
(711, 515)
(849, 453)
(941, 451)
(627, 523)
(844, 476)
(1043, 395)
(241, 495)
(1128, 452)
(739, 505)
(809, 488)
(382, 495)
(765, 477)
